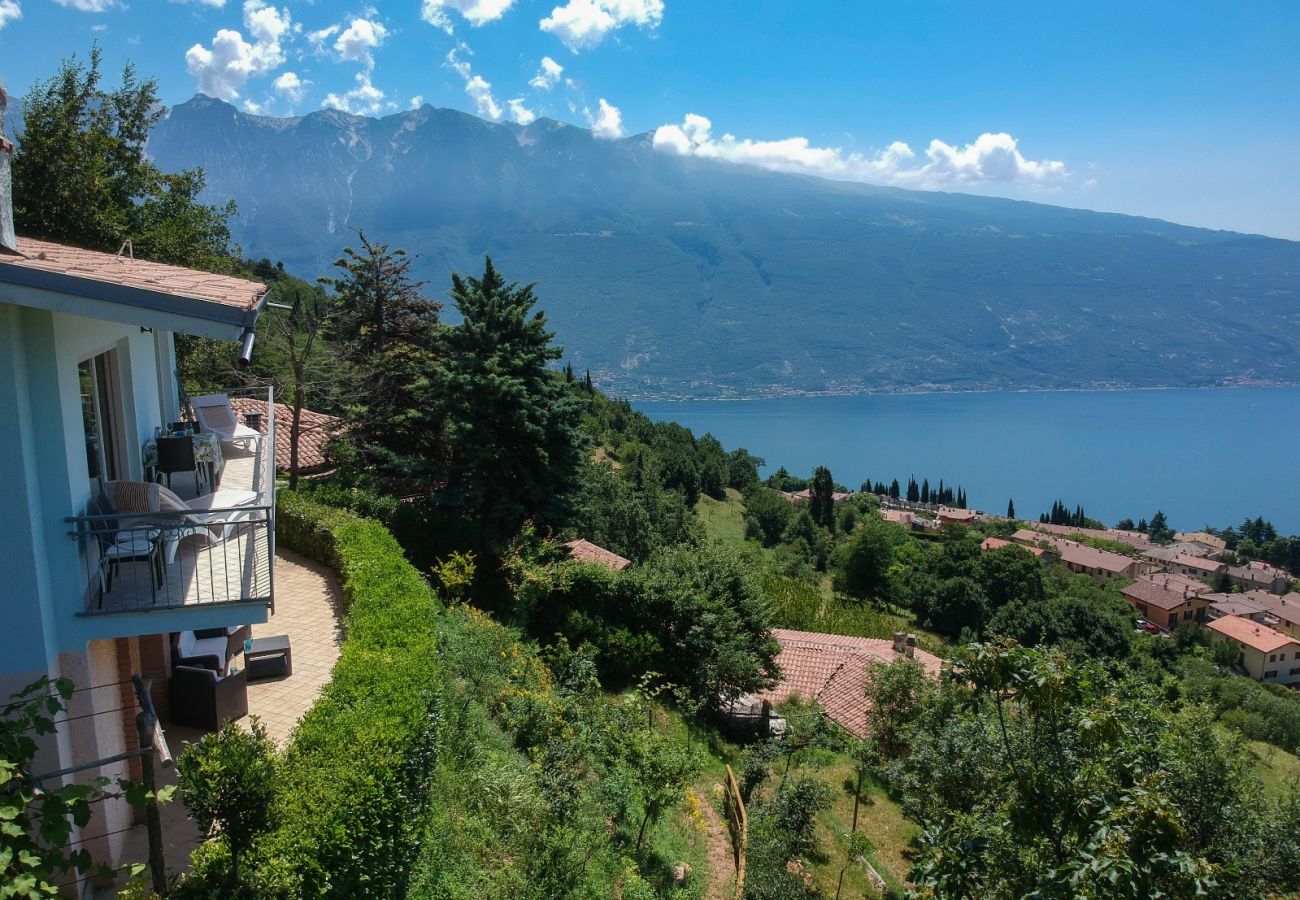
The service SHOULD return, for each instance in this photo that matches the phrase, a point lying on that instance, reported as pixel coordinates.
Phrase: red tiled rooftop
(997, 543)
(1197, 562)
(1252, 634)
(110, 268)
(1145, 590)
(832, 669)
(315, 430)
(586, 551)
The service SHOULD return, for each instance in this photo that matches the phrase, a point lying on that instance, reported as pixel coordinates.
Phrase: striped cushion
(217, 418)
(135, 496)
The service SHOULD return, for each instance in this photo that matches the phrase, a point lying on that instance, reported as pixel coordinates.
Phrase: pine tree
(514, 440)
(568, 372)
(925, 491)
(961, 497)
(1011, 509)
(389, 341)
(586, 383)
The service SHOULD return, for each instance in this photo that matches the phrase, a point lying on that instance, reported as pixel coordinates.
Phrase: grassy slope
(1279, 770)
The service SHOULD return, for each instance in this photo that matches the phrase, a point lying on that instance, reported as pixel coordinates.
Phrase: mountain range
(671, 276)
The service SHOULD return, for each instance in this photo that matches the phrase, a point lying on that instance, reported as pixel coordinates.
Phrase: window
(101, 417)
(1272, 657)
(1271, 673)
(1295, 671)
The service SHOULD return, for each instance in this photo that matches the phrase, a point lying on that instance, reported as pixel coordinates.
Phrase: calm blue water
(1211, 456)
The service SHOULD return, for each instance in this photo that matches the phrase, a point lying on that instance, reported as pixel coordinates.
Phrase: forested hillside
(684, 277)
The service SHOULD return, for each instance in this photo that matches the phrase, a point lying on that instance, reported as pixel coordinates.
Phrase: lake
(1207, 456)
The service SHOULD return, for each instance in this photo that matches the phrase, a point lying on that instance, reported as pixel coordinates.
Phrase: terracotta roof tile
(1252, 634)
(832, 669)
(110, 268)
(315, 431)
(586, 551)
(1145, 590)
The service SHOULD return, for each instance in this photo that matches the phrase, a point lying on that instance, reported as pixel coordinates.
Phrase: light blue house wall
(43, 573)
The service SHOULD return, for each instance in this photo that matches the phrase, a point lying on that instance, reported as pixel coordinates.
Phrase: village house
(831, 669)
(1100, 564)
(1259, 576)
(1163, 606)
(1135, 539)
(586, 551)
(951, 515)
(1285, 610)
(996, 543)
(1205, 569)
(1237, 605)
(799, 498)
(1213, 542)
(1266, 654)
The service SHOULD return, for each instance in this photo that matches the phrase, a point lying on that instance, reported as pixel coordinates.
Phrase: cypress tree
(568, 372)
(821, 501)
(586, 383)
(1011, 509)
(925, 491)
(893, 489)
(913, 492)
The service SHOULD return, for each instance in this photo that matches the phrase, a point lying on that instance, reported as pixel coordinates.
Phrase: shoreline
(799, 395)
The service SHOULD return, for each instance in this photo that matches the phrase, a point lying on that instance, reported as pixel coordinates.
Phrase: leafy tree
(957, 605)
(387, 337)
(632, 521)
(1158, 530)
(767, 515)
(227, 780)
(861, 564)
(811, 540)
(715, 470)
(1125, 524)
(81, 175)
(37, 819)
(714, 620)
(512, 428)
(297, 332)
(896, 694)
(656, 766)
(1070, 780)
(742, 468)
(1009, 573)
(821, 498)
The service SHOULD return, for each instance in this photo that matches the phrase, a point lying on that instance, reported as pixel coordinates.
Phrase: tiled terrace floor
(308, 608)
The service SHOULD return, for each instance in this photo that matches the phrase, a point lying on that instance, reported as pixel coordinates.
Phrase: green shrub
(351, 794)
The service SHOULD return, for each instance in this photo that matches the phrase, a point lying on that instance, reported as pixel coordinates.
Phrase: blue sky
(1186, 111)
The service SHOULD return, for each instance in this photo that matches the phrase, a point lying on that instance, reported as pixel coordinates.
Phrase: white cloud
(607, 123)
(363, 100)
(224, 68)
(584, 23)
(519, 113)
(291, 87)
(318, 38)
(253, 107)
(548, 74)
(417, 101)
(989, 158)
(10, 11)
(90, 6)
(356, 42)
(99, 26)
(216, 4)
(476, 12)
(479, 90)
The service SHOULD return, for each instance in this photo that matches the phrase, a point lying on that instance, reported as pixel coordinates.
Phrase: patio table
(207, 451)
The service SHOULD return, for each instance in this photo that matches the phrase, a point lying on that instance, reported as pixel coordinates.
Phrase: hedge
(351, 796)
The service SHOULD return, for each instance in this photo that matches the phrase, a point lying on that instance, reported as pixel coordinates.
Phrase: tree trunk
(295, 427)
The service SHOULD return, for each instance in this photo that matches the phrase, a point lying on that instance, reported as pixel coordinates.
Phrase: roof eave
(92, 298)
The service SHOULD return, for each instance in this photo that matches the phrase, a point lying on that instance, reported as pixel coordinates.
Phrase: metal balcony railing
(211, 549)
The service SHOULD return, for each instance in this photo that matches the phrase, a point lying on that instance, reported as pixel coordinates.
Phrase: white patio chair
(199, 523)
(215, 414)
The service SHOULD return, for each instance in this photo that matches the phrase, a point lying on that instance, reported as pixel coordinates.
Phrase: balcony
(207, 550)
